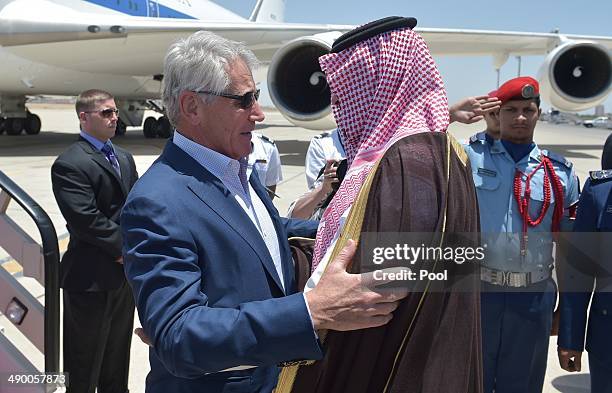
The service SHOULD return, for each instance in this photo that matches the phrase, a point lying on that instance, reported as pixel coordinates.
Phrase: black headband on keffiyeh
(370, 30)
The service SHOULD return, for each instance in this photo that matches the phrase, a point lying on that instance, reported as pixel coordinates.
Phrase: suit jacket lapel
(216, 196)
(101, 160)
(126, 170)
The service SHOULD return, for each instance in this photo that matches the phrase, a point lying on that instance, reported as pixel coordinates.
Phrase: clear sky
(462, 75)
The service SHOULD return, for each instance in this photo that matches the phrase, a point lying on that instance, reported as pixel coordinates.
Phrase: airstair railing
(51, 254)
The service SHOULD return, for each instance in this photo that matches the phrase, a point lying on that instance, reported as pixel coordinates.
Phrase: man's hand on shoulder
(344, 301)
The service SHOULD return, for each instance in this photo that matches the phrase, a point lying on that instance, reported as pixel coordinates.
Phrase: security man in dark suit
(91, 180)
(586, 276)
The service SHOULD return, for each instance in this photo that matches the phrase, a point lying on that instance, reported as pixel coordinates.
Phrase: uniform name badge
(487, 172)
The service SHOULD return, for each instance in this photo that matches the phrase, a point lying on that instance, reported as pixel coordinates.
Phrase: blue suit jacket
(589, 262)
(205, 286)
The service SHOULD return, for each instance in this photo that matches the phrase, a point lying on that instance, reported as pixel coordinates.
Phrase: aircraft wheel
(149, 128)
(121, 128)
(2, 125)
(32, 124)
(164, 128)
(14, 125)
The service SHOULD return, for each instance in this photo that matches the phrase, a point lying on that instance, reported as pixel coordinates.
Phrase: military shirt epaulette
(323, 135)
(478, 137)
(601, 175)
(267, 139)
(558, 158)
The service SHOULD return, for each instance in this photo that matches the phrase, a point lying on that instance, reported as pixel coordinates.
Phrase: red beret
(520, 88)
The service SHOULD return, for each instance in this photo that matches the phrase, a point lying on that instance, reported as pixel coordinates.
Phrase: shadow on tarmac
(292, 152)
(576, 383)
(260, 126)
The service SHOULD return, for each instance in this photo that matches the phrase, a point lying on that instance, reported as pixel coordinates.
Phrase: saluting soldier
(588, 273)
(265, 159)
(524, 194)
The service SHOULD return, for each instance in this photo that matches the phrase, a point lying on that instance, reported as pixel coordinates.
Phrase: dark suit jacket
(586, 275)
(90, 196)
(206, 289)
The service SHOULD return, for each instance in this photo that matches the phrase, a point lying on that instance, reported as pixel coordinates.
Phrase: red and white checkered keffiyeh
(387, 87)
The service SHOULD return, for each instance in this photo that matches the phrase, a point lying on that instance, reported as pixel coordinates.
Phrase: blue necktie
(109, 152)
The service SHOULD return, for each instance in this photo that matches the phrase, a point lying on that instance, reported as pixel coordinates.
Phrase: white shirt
(226, 170)
(318, 272)
(266, 160)
(322, 147)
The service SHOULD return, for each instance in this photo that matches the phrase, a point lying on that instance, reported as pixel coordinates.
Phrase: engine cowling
(576, 75)
(296, 84)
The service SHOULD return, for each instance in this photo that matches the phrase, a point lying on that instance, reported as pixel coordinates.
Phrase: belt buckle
(499, 277)
(517, 280)
(505, 278)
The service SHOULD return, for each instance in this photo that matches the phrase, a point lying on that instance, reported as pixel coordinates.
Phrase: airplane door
(153, 8)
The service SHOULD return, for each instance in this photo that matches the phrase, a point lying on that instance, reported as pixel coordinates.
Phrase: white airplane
(62, 47)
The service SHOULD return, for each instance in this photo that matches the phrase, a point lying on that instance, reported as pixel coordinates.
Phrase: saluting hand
(472, 109)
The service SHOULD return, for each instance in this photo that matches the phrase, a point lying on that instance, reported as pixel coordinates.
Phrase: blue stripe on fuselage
(141, 8)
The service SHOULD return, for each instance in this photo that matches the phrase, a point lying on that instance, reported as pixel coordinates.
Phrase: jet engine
(296, 84)
(576, 75)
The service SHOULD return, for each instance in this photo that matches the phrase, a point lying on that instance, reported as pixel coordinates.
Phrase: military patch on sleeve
(558, 158)
(601, 175)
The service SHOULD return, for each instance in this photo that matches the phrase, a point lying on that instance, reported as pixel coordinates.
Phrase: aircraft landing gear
(32, 124)
(164, 128)
(15, 125)
(149, 128)
(157, 127)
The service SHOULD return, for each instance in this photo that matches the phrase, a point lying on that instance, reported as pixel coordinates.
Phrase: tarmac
(27, 160)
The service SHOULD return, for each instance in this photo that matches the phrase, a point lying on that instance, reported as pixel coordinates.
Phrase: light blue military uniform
(594, 225)
(518, 294)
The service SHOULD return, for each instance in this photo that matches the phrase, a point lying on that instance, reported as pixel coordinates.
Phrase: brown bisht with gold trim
(423, 183)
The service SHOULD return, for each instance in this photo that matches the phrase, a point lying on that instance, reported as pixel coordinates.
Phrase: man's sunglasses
(246, 100)
(106, 113)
